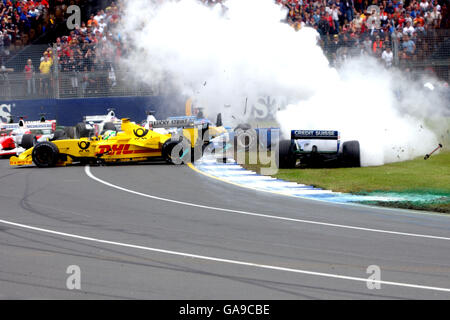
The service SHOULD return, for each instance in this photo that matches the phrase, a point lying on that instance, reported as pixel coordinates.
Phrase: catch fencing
(21, 78)
(103, 78)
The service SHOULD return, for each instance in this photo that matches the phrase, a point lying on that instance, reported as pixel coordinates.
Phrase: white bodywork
(97, 122)
(322, 145)
(323, 141)
(18, 130)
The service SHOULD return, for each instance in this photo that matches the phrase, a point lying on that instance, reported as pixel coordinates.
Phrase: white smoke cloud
(223, 56)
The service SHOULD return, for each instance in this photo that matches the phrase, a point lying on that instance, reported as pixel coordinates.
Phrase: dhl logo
(119, 149)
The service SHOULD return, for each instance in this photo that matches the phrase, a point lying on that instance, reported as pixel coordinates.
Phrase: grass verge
(427, 183)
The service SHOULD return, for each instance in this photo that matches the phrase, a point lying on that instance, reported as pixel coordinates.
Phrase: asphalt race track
(157, 231)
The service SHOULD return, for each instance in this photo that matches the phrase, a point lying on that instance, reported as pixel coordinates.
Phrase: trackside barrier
(68, 112)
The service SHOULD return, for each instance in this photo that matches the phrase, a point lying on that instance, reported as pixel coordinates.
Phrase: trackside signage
(315, 134)
(29, 125)
(172, 123)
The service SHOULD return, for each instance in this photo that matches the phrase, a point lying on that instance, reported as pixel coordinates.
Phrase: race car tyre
(109, 126)
(70, 132)
(176, 152)
(81, 131)
(45, 154)
(28, 141)
(285, 158)
(245, 138)
(351, 154)
(59, 135)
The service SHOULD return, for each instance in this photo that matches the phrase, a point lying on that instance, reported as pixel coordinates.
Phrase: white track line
(89, 173)
(236, 262)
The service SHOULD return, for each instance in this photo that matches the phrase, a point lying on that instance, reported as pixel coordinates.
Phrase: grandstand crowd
(87, 56)
(23, 21)
(372, 27)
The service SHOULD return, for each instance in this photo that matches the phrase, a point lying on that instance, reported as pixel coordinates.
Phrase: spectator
(323, 25)
(387, 56)
(83, 28)
(357, 22)
(334, 45)
(92, 23)
(408, 45)
(317, 16)
(408, 29)
(390, 8)
(30, 77)
(367, 45)
(45, 68)
(377, 46)
(419, 23)
(87, 82)
(433, 18)
(373, 30)
(72, 69)
(348, 5)
(336, 15)
(424, 5)
(341, 6)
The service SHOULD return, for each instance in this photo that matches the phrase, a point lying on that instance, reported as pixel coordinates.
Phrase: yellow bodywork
(133, 143)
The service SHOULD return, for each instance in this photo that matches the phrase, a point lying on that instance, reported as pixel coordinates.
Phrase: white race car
(17, 137)
(95, 125)
(318, 148)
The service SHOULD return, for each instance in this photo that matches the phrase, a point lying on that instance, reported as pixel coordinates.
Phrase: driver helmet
(108, 134)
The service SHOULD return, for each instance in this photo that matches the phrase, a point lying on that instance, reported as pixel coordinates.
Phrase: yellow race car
(133, 143)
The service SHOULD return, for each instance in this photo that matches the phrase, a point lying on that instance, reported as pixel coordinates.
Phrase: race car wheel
(109, 126)
(351, 154)
(81, 131)
(176, 152)
(245, 138)
(286, 158)
(45, 154)
(28, 141)
(70, 132)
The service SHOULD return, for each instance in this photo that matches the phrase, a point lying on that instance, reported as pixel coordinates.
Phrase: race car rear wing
(110, 116)
(175, 123)
(30, 125)
(315, 134)
(94, 118)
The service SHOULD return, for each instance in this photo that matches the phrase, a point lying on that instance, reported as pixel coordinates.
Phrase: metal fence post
(395, 43)
(56, 72)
